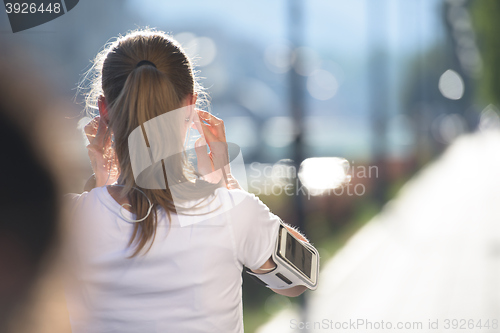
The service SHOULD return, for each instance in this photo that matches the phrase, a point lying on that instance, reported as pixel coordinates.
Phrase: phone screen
(298, 255)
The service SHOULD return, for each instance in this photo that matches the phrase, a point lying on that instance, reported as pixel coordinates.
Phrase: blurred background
(406, 91)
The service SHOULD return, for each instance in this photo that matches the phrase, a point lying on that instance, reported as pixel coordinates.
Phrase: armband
(297, 263)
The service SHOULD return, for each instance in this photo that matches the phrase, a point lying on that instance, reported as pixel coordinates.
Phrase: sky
(339, 22)
(342, 33)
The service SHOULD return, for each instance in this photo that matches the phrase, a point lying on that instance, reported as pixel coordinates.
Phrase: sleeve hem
(269, 250)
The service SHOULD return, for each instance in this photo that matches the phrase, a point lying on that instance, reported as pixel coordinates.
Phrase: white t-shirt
(189, 281)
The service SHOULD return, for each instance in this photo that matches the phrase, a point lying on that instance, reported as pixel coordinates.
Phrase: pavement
(428, 262)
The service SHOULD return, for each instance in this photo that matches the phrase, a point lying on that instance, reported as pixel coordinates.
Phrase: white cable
(129, 205)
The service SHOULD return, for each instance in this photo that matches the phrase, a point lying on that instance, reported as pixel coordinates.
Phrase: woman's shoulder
(242, 201)
(235, 195)
(75, 200)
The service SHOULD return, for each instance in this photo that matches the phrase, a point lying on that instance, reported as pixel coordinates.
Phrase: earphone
(129, 205)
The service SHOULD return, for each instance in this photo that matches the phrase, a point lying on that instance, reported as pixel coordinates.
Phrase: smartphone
(303, 257)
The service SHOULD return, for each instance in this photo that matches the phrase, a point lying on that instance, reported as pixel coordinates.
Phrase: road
(431, 256)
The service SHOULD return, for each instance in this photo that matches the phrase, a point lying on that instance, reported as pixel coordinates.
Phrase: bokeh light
(258, 97)
(489, 119)
(277, 57)
(201, 49)
(278, 131)
(322, 174)
(322, 85)
(451, 85)
(309, 62)
(446, 128)
(284, 172)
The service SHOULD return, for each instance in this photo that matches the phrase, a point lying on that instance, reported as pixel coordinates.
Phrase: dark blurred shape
(28, 195)
(379, 97)
(297, 105)
(296, 95)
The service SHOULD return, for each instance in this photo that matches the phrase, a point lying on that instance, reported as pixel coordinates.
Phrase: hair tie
(145, 62)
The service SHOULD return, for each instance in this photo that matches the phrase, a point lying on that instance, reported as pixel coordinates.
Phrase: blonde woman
(142, 262)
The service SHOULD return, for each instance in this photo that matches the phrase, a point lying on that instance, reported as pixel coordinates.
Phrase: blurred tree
(379, 95)
(485, 15)
(423, 102)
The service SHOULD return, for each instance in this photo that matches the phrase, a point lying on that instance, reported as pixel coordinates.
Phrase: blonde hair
(135, 95)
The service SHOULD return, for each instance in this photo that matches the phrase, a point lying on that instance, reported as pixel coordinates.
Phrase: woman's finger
(197, 124)
(101, 130)
(208, 132)
(215, 124)
(205, 164)
(100, 136)
(206, 114)
(91, 128)
(210, 118)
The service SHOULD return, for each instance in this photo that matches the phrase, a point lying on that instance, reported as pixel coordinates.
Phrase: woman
(149, 256)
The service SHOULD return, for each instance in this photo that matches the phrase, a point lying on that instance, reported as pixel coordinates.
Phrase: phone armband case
(297, 263)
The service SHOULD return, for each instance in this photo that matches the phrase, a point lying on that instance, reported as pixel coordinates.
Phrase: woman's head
(140, 77)
(173, 69)
(144, 66)
(145, 75)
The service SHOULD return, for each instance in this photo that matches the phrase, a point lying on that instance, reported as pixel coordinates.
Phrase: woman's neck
(116, 194)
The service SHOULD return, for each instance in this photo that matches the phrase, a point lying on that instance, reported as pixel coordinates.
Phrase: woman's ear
(191, 99)
(103, 109)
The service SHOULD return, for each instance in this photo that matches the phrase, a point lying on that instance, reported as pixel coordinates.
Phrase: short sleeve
(71, 198)
(255, 230)
(70, 202)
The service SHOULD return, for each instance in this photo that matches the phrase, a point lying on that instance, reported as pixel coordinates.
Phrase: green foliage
(485, 14)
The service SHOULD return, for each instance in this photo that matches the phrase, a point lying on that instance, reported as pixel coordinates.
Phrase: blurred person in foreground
(142, 261)
(29, 204)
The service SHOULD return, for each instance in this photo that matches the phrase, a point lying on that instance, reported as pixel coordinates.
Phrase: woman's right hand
(214, 134)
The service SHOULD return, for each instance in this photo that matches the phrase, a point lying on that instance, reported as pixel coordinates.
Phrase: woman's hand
(214, 166)
(101, 154)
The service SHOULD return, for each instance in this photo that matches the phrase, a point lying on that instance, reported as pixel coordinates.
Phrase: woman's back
(163, 266)
(188, 281)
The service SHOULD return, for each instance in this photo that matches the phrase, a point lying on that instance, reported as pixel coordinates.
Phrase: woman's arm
(269, 264)
(218, 159)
